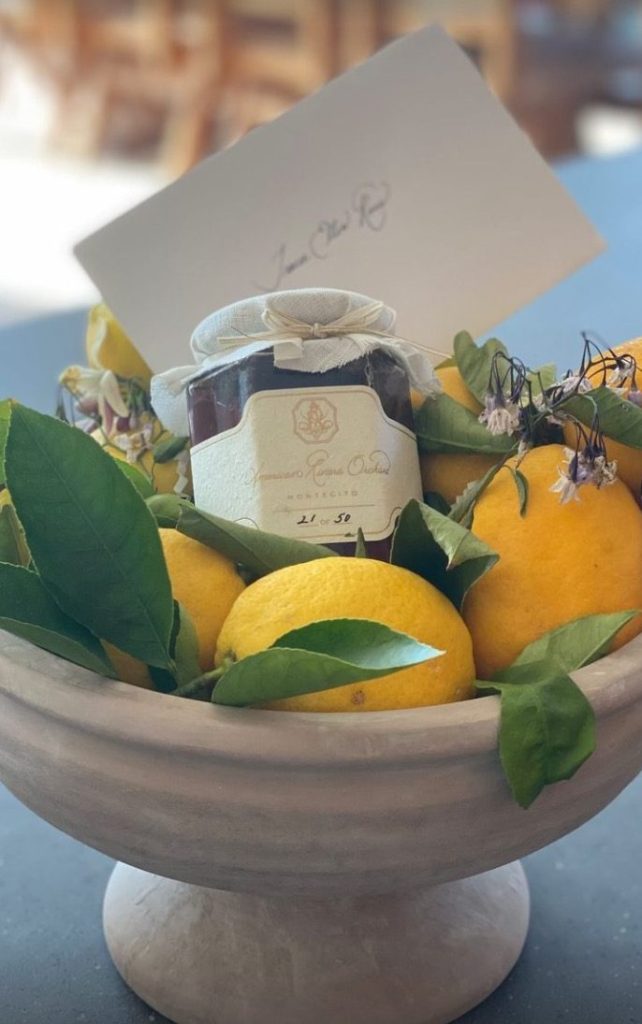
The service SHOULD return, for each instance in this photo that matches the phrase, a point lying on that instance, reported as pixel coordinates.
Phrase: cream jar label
(311, 463)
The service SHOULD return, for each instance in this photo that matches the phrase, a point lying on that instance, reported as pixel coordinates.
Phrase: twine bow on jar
(287, 333)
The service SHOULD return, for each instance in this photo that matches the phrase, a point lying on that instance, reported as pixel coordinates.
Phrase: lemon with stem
(557, 561)
(335, 588)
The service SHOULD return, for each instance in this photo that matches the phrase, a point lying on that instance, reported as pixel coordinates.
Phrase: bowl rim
(47, 685)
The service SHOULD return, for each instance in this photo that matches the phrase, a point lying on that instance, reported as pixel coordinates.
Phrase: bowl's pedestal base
(204, 956)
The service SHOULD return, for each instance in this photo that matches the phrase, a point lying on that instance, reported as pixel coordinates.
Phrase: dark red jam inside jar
(217, 397)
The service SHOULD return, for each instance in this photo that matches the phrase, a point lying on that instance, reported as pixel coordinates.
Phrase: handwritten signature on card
(368, 210)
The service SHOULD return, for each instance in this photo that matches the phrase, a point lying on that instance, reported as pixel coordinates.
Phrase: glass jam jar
(312, 455)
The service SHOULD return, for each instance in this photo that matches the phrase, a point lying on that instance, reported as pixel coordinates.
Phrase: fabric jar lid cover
(311, 330)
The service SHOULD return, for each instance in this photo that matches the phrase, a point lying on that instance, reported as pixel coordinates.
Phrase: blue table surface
(582, 960)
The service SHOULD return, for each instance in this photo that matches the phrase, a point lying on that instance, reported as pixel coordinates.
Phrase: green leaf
(443, 425)
(91, 536)
(320, 656)
(5, 419)
(576, 644)
(185, 647)
(475, 363)
(464, 506)
(360, 549)
(259, 552)
(184, 651)
(441, 550)
(163, 679)
(165, 451)
(547, 728)
(144, 486)
(166, 509)
(28, 611)
(521, 483)
(13, 546)
(435, 500)
(620, 419)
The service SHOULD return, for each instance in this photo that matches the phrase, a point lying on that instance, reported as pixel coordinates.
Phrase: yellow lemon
(206, 583)
(557, 562)
(449, 474)
(333, 588)
(110, 348)
(629, 460)
(454, 385)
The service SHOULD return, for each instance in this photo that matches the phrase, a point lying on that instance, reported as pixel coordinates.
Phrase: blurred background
(102, 102)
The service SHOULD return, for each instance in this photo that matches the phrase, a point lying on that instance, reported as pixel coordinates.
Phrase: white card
(403, 179)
